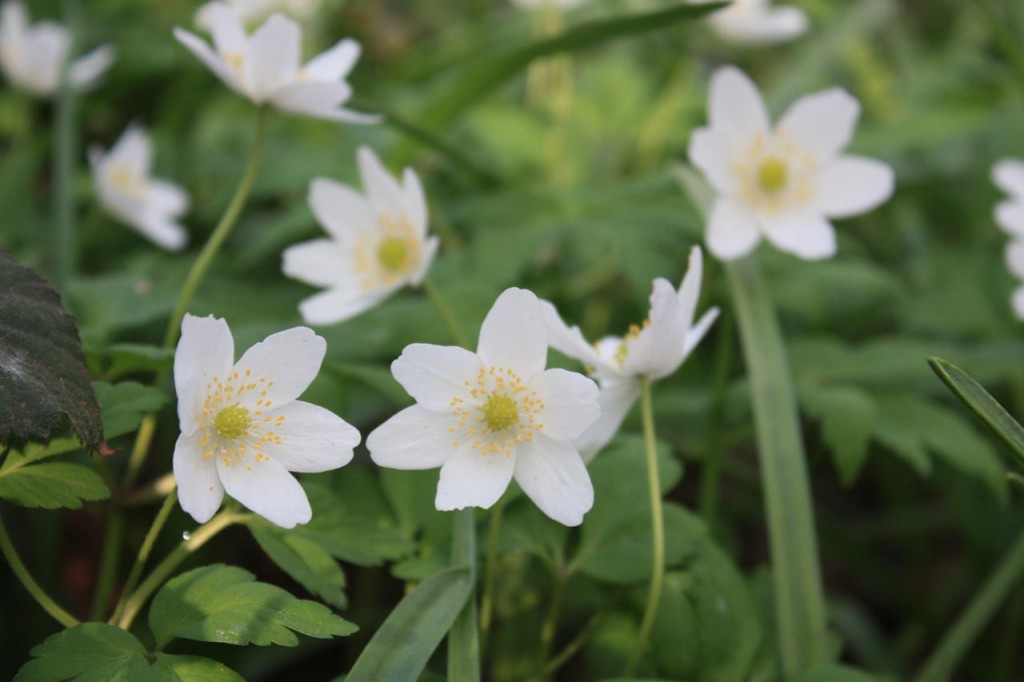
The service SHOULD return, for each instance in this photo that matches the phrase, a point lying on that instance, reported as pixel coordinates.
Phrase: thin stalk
(490, 567)
(711, 478)
(574, 646)
(147, 547)
(65, 151)
(163, 571)
(802, 636)
(109, 558)
(450, 320)
(550, 627)
(657, 529)
(463, 643)
(943, 661)
(30, 584)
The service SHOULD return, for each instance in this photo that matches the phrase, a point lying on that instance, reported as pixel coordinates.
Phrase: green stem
(550, 627)
(943, 661)
(64, 154)
(463, 644)
(162, 572)
(33, 588)
(711, 479)
(452, 322)
(147, 547)
(487, 599)
(574, 646)
(799, 595)
(109, 559)
(657, 529)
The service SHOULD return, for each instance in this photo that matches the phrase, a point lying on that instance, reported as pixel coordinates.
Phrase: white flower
(655, 350)
(757, 22)
(377, 242)
(494, 415)
(253, 10)
(242, 429)
(265, 66)
(33, 57)
(1008, 175)
(126, 190)
(538, 4)
(782, 183)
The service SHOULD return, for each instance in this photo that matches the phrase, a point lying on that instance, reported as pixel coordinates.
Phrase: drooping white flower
(377, 242)
(783, 183)
(1008, 175)
(255, 10)
(266, 68)
(655, 349)
(126, 190)
(33, 56)
(494, 415)
(242, 427)
(757, 22)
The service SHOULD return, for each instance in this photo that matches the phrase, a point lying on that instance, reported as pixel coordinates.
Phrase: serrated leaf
(303, 560)
(125, 404)
(225, 604)
(407, 638)
(50, 485)
(90, 652)
(848, 417)
(43, 376)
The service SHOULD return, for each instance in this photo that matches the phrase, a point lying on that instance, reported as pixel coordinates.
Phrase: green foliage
(125, 404)
(49, 485)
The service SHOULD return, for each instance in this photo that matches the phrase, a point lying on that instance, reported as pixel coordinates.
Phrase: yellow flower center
(496, 412)
(232, 422)
(500, 412)
(387, 256)
(235, 60)
(393, 254)
(126, 182)
(772, 175)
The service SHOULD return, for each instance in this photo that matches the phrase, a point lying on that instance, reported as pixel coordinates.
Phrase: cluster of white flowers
(1008, 175)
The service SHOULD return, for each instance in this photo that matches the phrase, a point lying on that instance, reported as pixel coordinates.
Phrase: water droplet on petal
(186, 536)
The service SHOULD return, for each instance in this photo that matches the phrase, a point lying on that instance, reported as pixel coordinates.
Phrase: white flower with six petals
(126, 190)
(757, 22)
(782, 183)
(242, 427)
(1008, 175)
(494, 415)
(378, 242)
(655, 349)
(266, 68)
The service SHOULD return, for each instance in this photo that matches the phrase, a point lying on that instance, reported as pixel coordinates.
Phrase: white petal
(266, 488)
(427, 253)
(568, 340)
(415, 438)
(225, 27)
(513, 334)
(472, 479)
(851, 185)
(162, 231)
(133, 150)
(710, 153)
(167, 198)
(570, 403)
(1009, 215)
(735, 108)
(337, 305)
(205, 350)
(657, 350)
(207, 56)
(414, 202)
(761, 27)
(272, 55)
(433, 375)
(335, 63)
(804, 234)
(1015, 257)
(382, 190)
(342, 211)
(616, 398)
(290, 359)
(732, 230)
(698, 330)
(312, 98)
(821, 123)
(782, 23)
(689, 289)
(1008, 175)
(312, 439)
(553, 475)
(86, 70)
(320, 262)
(199, 490)
(1018, 302)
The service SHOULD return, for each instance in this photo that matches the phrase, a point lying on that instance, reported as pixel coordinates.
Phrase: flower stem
(711, 478)
(550, 627)
(940, 665)
(200, 537)
(30, 584)
(147, 547)
(446, 313)
(657, 530)
(64, 154)
(487, 599)
(109, 559)
(799, 595)
(463, 644)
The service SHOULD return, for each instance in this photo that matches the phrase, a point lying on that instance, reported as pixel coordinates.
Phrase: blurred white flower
(757, 22)
(782, 183)
(265, 66)
(33, 56)
(256, 10)
(538, 4)
(126, 190)
(377, 242)
(494, 415)
(655, 349)
(1008, 175)
(242, 429)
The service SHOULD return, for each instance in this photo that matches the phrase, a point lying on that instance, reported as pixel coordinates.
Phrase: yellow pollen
(772, 175)
(232, 422)
(234, 60)
(393, 254)
(126, 182)
(500, 412)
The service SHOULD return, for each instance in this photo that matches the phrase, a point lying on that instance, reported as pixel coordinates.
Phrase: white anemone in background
(757, 22)
(494, 415)
(1008, 175)
(377, 242)
(266, 68)
(242, 429)
(34, 55)
(128, 192)
(654, 349)
(783, 183)
(256, 10)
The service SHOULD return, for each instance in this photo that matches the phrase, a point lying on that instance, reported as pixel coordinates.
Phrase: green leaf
(400, 649)
(984, 406)
(51, 485)
(125, 404)
(848, 416)
(224, 604)
(191, 669)
(303, 560)
(90, 652)
(831, 673)
(44, 380)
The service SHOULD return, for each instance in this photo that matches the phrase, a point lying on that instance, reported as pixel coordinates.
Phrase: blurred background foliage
(560, 180)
